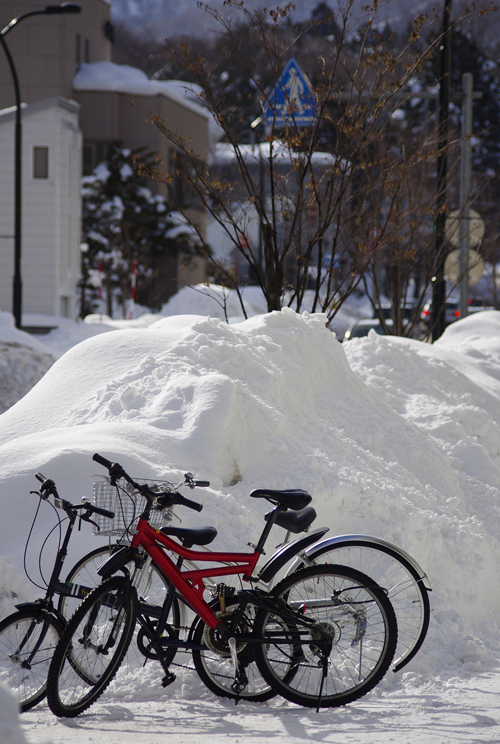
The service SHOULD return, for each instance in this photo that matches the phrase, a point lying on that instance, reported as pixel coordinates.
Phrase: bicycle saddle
(195, 536)
(294, 521)
(292, 498)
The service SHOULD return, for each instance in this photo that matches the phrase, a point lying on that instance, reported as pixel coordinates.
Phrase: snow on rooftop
(225, 154)
(108, 76)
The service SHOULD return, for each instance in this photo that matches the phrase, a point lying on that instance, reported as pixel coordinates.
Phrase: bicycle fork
(16, 657)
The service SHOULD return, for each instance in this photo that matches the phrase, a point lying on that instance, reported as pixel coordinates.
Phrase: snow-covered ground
(393, 437)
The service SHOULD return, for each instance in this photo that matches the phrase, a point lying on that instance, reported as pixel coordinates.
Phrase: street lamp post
(17, 289)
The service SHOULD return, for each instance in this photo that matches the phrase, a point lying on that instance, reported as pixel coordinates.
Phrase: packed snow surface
(392, 437)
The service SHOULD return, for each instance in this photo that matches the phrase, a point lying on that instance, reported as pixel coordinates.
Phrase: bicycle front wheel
(329, 638)
(28, 639)
(92, 647)
(150, 583)
(394, 573)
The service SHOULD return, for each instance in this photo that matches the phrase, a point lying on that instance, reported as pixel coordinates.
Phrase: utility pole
(439, 285)
(465, 185)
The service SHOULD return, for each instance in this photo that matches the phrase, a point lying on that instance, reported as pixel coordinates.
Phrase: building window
(88, 159)
(40, 162)
(93, 154)
(109, 31)
(183, 174)
(65, 307)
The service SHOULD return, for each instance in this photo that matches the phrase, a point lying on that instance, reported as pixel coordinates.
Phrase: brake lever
(86, 518)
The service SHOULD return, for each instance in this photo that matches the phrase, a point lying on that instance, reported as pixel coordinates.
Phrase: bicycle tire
(214, 665)
(84, 573)
(19, 635)
(151, 588)
(92, 647)
(404, 585)
(151, 585)
(335, 627)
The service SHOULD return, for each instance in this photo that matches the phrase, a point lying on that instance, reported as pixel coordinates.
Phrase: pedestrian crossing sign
(292, 100)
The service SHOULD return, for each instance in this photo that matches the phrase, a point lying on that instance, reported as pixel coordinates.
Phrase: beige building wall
(48, 49)
(110, 116)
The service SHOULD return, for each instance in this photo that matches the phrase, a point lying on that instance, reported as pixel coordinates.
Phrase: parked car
(452, 310)
(363, 327)
(407, 309)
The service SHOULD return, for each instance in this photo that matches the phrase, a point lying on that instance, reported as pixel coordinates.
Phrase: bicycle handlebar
(48, 488)
(102, 512)
(102, 461)
(182, 501)
(168, 499)
(114, 468)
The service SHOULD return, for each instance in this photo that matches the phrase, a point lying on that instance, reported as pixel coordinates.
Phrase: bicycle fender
(116, 561)
(333, 542)
(24, 605)
(287, 552)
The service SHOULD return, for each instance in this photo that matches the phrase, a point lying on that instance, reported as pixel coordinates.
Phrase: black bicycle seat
(294, 521)
(292, 498)
(196, 536)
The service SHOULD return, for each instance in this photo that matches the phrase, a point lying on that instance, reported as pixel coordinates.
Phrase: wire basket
(127, 504)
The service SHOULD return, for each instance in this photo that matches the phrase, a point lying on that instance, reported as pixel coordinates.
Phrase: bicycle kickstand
(240, 680)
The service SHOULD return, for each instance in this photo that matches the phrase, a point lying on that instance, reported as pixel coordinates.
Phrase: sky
(392, 437)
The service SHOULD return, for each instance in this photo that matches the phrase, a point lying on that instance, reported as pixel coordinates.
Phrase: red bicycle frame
(190, 583)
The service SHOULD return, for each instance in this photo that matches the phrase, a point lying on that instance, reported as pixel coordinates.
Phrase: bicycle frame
(189, 583)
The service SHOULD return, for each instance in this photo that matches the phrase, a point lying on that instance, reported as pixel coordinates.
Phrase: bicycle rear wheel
(28, 639)
(334, 628)
(394, 573)
(92, 647)
(214, 665)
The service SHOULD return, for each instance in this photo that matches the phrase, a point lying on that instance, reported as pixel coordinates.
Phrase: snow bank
(23, 361)
(10, 730)
(393, 437)
(216, 301)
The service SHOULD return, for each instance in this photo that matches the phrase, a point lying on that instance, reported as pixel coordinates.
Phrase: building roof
(33, 108)
(108, 76)
(254, 154)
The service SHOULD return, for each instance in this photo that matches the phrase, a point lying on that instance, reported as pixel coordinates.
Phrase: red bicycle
(324, 636)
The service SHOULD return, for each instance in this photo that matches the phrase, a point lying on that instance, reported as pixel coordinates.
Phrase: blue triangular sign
(292, 101)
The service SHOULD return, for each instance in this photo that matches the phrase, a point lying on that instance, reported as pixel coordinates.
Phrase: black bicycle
(29, 636)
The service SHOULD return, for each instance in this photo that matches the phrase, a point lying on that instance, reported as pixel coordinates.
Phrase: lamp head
(63, 8)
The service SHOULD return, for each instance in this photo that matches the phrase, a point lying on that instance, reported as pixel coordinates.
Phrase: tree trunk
(273, 271)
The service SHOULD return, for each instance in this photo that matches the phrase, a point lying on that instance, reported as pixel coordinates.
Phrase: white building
(51, 206)
(61, 59)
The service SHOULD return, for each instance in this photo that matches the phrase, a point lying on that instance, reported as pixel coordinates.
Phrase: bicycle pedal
(168, 679)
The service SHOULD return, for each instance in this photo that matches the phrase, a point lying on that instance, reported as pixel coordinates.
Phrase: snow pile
(392, 437)
(10, 730)
(23, 361)
(216, 301)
